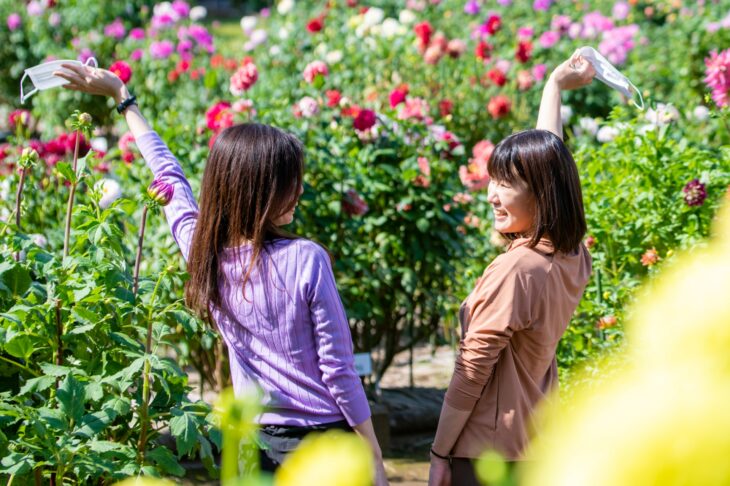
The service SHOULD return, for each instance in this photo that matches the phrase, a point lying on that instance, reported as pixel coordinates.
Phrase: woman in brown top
(513, 319)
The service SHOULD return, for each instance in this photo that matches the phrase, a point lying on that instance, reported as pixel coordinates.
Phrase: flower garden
(399, 105)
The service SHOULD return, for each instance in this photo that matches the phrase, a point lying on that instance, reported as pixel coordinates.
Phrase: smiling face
(288, 216)
(513, 205)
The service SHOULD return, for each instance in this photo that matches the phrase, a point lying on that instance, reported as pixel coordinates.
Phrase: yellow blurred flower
(334, 458)
(144, 481)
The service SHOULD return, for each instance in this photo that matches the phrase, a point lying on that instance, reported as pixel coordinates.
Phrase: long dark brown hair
(253, 176)
(543, 162)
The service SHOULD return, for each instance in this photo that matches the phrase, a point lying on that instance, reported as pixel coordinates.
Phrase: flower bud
(160, 192)
(85, 118)
(29, 157)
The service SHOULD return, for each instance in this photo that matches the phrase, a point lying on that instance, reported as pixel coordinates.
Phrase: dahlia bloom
(717, 76)
(525, 80)
(650, 257)
(245, 77)
(695, 193)
(499, 106)
(606, 321)
(456, 48)
(160, 192)
(121, 69)
(474, 176)
(483, 51)
(313, 70)
(110, 190)
(219, 116)
(306, 107)
(161, 49)
(416, 108)
(19, 118)
(333, 97)
(523, 52)
(549, 39)
(398, 95)
(353, 204)
(471, 7)
(14, 21)
(364, 120)
(116, 29)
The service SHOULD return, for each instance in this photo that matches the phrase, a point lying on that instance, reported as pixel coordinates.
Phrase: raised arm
(182, 211)
(571, 74)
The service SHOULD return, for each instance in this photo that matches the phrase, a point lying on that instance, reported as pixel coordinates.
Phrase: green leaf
(37, 384)
(17, 464)
(54, 418)
(15, 278)
(20, 346)
(120, 405)
(185, 431)
(56, 370)
(65, 169)
(71, 396)
(165, 460)
(93, 423)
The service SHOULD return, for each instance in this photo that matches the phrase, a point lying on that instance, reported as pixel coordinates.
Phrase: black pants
(277, 441)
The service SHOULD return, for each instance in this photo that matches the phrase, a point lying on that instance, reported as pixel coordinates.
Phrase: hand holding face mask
(43, 78)
(608, 74)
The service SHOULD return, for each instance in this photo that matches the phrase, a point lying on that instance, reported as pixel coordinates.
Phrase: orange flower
(650, 257)
(606, 321)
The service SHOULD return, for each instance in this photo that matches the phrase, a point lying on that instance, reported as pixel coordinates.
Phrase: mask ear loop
(641, 98)
(91, 60)
(25, 96)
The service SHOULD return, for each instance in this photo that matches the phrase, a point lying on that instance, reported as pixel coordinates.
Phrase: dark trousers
(277, 441)
(464, 474)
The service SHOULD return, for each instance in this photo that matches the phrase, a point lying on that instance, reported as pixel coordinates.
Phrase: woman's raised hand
(574, 73)
(92, 80)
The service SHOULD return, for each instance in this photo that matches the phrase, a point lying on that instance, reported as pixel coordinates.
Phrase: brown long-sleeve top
(511, 324)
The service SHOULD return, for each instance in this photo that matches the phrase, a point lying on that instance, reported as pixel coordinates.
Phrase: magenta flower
(539, 71)
(14, 21)
(136, 55)
(717, 76)
(162, 21)
(541, 4)
(181, 8)
(35, 8)
(620, 10)
(116, 29)
(694, 193)
(549, 39)
(160, 192)
(313, 70)
(85, 54)
(245, 77)
(364, 120)
(137, 33)
(162, 49)
(471, 7)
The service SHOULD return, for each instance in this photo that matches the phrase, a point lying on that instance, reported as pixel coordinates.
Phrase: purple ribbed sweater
(290, 335)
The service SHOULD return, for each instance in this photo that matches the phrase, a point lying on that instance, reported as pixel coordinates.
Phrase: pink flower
(398, 95)
(525, 33)
(161, 192)
(499, 106)
(313, 70)
(541, 4)
(561, 23)
(423, 32)
(85, 54)
(136, 55)
(245, 77)
(34, 8)
(125, 141)
(364, 120)
(618, 42)
(121, 69)
(471, 7)
(424, 166)
(539, 71)
(161, 49)
(14, 21)
(18, 118)
(463, 198)
(416, 108)
(306, 107)
(219, 116)
(694, 193)
(456, 48)
(433, 54)
(181, 8)
(549, 39)
(717, 76)
(620, 10)
(353, 204)
(475, 176)
(525, 80)
(116, 29)
(650, 257)
(137, 33)
(243, 106)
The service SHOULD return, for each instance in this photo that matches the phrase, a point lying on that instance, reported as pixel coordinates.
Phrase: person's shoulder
(308, 250)
(524, 260)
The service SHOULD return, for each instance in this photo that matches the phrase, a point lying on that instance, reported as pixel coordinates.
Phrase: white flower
(308, 106)
(390, 28)
(587, 124)
(663, 115)
(198, 13)
(373, 17)
(248, 23)
(370, 43)
(39, 240)
(285, 6)
(406, 17)
(274, 51)
(333, 57)
(165, 8)
(258, 37)
(701, 113)
(607, 133)
(566, 113)
(283, 33)
(110, 192)
(99, 144)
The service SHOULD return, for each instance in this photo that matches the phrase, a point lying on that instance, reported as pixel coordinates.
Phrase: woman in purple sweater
(271, 295)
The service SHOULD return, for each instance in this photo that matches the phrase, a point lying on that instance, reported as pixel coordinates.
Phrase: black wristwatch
(131, 100)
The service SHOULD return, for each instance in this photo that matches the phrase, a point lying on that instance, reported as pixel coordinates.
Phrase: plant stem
(18, 199)
(59, 334)
(21, 366)
(69, 208)
(140, 240)
(144, 408)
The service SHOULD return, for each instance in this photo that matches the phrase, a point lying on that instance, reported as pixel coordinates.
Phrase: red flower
(499, 106)
(493, 24)
(524, 51)
(364, 120)
(333, 97)
(121, 69)
(353, 204)
(497, 77)
(423, 32)
(398, 95)
(483, 50)
(173, 75)
(315, 25)
(445, 107)
(219, 116)
(19, 117)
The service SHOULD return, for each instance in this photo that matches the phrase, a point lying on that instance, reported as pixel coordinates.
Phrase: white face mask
(610, 75)
(43, 78)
